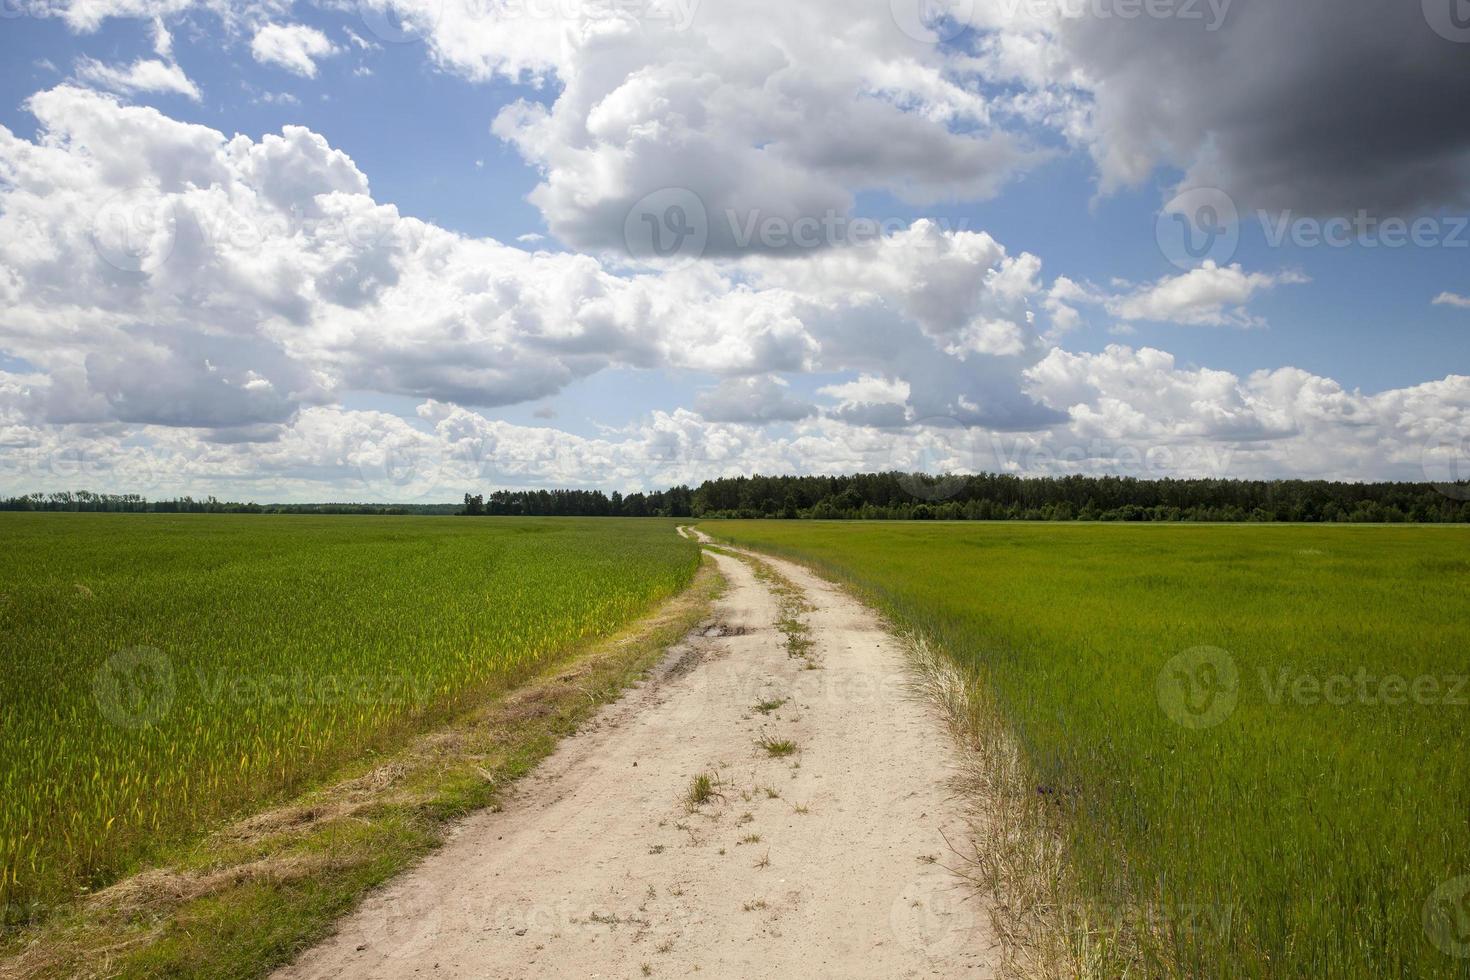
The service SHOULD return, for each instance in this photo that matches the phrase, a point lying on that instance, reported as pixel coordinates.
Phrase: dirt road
(827, 862)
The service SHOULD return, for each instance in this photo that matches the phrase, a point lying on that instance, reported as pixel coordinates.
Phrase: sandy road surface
(826, 863)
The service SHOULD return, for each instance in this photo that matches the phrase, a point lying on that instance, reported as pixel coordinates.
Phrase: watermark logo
(135, 231)
(672, 226)
(938, 21)
(15, 9)
(930, 916)
(932, 21)
(134, 688)
(1450, 19)
(1363, 230)
(1184, 919)
(669, 227)
(302, 687)
(830, 229)
(702, 692)
(1362, 688)
(397, 470)
(407, 921)
(386, 466)
(1199, 687)
(1447, 917)
(1210, 14)
(136, 468)
(389, 23)
(1445, 459)
(1201, 224)
(677, 15)
(945, 447)
(1103, 457)
(223, 227)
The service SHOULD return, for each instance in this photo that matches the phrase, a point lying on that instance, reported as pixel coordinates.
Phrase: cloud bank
(189, 310)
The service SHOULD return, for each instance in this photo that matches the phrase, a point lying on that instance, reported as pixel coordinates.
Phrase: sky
(397, 250)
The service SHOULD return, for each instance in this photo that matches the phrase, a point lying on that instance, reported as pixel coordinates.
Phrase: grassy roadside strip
(250, 897)
(1015, 854)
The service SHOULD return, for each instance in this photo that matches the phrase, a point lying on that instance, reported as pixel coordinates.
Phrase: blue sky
(989, 133)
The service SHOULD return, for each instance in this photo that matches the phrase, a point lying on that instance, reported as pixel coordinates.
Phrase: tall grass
(1242, 821)
(162, 672)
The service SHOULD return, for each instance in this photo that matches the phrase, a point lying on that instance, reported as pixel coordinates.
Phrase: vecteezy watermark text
(1201, 687)
(751, 229)
(396, 24)
(1362, 687)
(1364, 230)
(678, 14)
(1203, 224)
(1210, 14)
(1179, 918)
(305, 688)
(672, 226)
(1106, 456)
(937, 21)
(138, 231)
(137, 687)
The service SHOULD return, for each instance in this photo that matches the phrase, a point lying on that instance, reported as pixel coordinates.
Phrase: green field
(165, 672)
(1291, 801)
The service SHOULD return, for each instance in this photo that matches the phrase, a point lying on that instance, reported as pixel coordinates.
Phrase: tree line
(674, 502)
(988, 496)
(889, 496)
(83, 501)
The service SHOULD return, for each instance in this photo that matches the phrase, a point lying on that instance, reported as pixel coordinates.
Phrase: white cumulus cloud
(294, 47)
(191, 310)
(145, 75)
(1211, 295)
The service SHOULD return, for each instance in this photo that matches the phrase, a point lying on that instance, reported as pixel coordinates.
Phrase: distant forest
(892, 496)
(82, 501)
(990, 497)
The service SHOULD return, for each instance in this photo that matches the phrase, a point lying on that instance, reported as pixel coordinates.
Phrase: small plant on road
(702, 789)
(777, 748)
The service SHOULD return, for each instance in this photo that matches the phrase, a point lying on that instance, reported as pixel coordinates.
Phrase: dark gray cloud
(1321, 106)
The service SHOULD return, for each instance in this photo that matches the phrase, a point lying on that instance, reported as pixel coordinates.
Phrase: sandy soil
(827, 863)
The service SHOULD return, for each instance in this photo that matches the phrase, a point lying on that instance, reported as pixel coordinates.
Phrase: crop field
(164, 672)
(1258, 737)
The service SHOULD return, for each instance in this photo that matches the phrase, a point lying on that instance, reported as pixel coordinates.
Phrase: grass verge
(1015, 853)
(248, 898)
